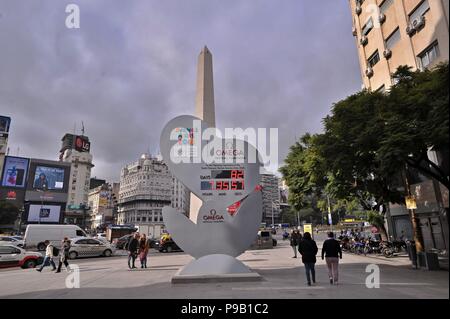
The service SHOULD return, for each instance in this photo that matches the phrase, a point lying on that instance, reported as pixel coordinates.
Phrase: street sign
(410, 202)
(307, 228)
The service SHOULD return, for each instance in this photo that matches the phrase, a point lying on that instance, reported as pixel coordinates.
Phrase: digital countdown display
(224, 180)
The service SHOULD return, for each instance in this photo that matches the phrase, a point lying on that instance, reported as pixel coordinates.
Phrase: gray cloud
(132, 66)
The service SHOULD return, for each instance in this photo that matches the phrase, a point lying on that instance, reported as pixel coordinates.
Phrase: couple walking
(330, 250)
(138, 246)
(51, 252)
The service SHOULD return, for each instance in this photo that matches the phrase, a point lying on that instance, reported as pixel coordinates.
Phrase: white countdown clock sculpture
(221, 173)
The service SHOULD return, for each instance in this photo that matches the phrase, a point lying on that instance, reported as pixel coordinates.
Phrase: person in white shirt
(48, 257)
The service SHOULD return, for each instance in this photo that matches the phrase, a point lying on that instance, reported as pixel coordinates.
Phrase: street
(283, 278)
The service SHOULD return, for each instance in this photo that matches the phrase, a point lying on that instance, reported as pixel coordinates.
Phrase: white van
(36, 235)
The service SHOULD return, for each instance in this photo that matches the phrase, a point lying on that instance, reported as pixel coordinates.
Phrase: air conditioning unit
(410, 30)
(369, 72)
(358, 9)
(364, 40)
(354, 32)
(382, 18)
(387, 53)
(419, 23)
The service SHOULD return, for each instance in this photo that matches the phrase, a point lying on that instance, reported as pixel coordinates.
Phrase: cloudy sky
(131, 67)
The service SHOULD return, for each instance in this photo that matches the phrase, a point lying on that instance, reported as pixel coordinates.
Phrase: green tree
(416, 119)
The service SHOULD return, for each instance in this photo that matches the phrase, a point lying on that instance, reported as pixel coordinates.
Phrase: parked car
(13, 240)
(13, 256)
(89, 247)
(122, 242)
(154, 243)
(168, 246)
(264, 240)
(36, 235)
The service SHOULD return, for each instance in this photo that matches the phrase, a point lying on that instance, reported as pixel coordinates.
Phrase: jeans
(144, 262)
(63, 260)
(48, 260)
(333, 268)
(131, 257)
(295, 250)
(309, 268)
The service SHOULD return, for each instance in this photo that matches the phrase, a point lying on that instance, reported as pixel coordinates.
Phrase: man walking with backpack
(50, 252)
(332, 252)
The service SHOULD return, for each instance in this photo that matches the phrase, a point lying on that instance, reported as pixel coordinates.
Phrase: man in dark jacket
(296, 237)
(64, 254)
(308, 249)
(133, 245)
(332, 252)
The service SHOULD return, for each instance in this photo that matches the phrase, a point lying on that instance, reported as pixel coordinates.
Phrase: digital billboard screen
(48, 178)
(44, 213)
(15, 172)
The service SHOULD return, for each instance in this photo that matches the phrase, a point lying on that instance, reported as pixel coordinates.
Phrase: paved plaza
(283, 278)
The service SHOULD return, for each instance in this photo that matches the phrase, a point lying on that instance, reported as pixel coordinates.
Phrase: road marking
(277, 288)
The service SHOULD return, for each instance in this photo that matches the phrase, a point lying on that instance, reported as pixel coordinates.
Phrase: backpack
(55, 251)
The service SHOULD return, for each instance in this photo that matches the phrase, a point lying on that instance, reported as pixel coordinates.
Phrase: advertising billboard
(82, 144)
(44, 213)
(15, 170)
(48, 178)
(12, 195)
(104, 198)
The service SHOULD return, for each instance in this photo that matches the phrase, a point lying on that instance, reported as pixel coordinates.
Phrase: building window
(385, 6)
(392, 40)
(374, 58)
(369, 26)
(429, 55)
(419, 11)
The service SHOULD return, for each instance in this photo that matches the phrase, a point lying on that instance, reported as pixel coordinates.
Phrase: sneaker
(309, 284)
(331, 281)
(294, 257)
(57, 271)
(37, 269)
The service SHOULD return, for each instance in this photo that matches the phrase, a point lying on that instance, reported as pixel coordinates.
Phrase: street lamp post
(329, 214)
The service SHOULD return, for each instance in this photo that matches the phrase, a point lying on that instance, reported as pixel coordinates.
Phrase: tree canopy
(368, 139)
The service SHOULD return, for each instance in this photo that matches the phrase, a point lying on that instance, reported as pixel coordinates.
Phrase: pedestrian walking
(308, 249)
(143, 250)
(133, 247)
(332, 252)
(296, 237)
(64, 254)
(50, 252)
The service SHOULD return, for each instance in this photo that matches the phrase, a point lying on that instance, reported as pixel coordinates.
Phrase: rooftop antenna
(82, 128)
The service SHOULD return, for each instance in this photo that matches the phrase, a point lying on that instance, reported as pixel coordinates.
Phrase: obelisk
(204, 109)
(204, 98)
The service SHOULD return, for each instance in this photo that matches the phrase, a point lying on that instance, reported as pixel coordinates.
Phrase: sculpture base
(215, 268)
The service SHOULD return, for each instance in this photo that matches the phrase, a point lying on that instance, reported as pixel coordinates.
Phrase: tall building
(96, 182)
(204, 109)
(271, 198)
(146, 186)
(75, 150)
(390, 33)
(101, 204)
(5, 122)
